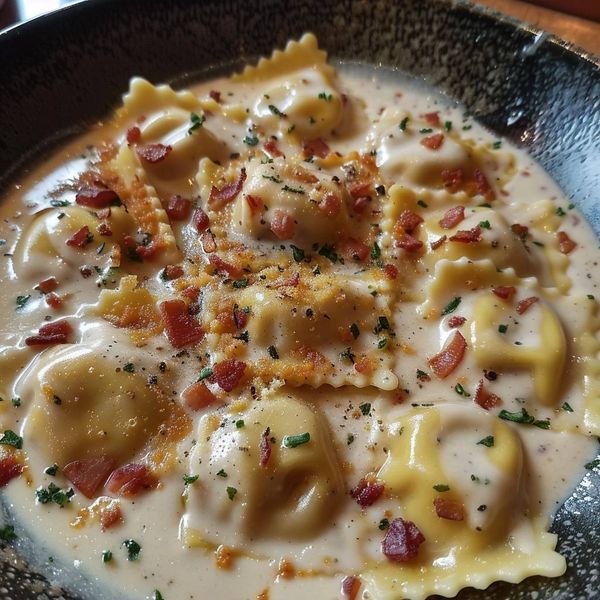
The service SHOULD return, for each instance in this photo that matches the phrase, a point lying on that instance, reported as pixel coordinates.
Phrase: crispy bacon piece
(171, 272)
(391, 272)
(453, 179)
(218, 263)
(292, 281)
(178, 208)
(433, 118)
(317, 147)
(367, 491)
(363, 365)
(200, 220)
(330, 205)
(524, 304)
(131, 479)
(255, 203)
(402, 540)
(520, 230)
(197, 396)
(565, 243)
(207, 239)
(220, 197)
(359, 189)
(192, 292)
(409, 220)
(437, 243)
(484, 398)
(483, 186)
(47, 285)
(448, 509)
(154, 153)
(467, 236)
(456, 321)
(134, 135)
(506, 292)
(452, 217)
(181, 328)
(81, 238)
(433, 142)
(110, 515)
(240, 317)
(104, 229)
(271, 147)
(350, 587)
(283, 225)
(96, 196)
(53, 300)
(52, 333)
(355, 249)
(408, 242)
(360, 204)
(302, 174)
(89, 474)
(10, 468)
(444, 362)
(228, 373)
(264, 447)
(215, 95)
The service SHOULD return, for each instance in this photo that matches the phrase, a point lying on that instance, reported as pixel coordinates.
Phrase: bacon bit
(89, 474)
(81, 238)
(367, 491)
(221, 197)
(264, 447)
(302, 174)
(240, 317)
(402, 540)
(520, 230)
(408, 242)
(433, 142)
(85, 271)
(110, 515)
(178, 208)
(444, 362)
(355, 249)
(207, 239)
(466, 236)
(95, 196)
(453, 179)
(359, 189)
(255, 203)
(448, 509)
(224, 556)
(272, 149)
(456, 321)
(172, 272)
(452, 217)
(565, 243)
(317, 147)
(197, 396)
(359, 205)
(192, 292)
(181, 328)
(483, 186)
(47, 285)
(437, 243)
(506, 292)
(484, 398)
(134, 135)
(154, 153)
(50, 334)
(228, 373)
(363, 365)
(10, 468)
(524, 305)
(129, 480)
(433, 118)
(215, 95)
(104, 229)
(350, 587)
(409, 220)
(283, 225)
(330, 205)
(292, 281)
(53, 300)
(391, 272)
(218, 263)
(200, 220)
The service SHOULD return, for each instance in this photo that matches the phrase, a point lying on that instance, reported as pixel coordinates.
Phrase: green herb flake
(375, 251)
(273, 352)
(422, 203)
(328, 252)
(7, 533)
(16, 401)
(272, 178)
(441, 487)
(188, 479)
(467, 127)
(52, 471)
(567, 407)
(365, 409)
(59, 203)
(382, 343)
(239, 423)
(448, 125)
(276, 111)
(244, 337)
(354, 330)
(287, 188)
(250, 140)
(382, 324)
(347, 354)
(451, 306)
(542, 424)
(54, 494)
(422, 375)
(425, 130)
(21, 301)
(488, 441)
(107, 556)
(231, 492)
(197, 121)
(502, 328)
(157, 595)
(497, 145)
(240, 283)
(350, 439)
(460, 390)
(133, 549)
(560, 212)
(485, 224)
(403, 124)
(129, 368)
(383, 524)
(521, 416)
(297, 253)
(205, 373)
(592, 464)
(293, 441)
(326, 97)
(10, 438)
(590, 297)
(222, 473)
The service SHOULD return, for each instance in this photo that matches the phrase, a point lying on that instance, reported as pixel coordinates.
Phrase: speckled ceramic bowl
(64, 70)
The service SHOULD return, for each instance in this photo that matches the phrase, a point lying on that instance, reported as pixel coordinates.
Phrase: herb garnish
(133, 549)
(54, 494)
(487, 441)
(273, 352)
(188, 479)
(231, 492)
(250, 140)
(197, 121)
(10, 438)
(297, 253)
(293, 441)
(22, 301)
(365, 409)
(451, 306)
(441, 487)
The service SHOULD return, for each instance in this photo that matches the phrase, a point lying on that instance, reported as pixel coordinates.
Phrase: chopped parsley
(273, 352)
(231, 492)
(403, 124)
(133, 549)
(502, 328)
(567, 407)
(451, 306)
(382, 323)
(250, 140)
(22, 301)
(347, 353)
(422, 375)
(10, 438)
(592, 464)
(354, 330)
(273, 178)
(107, 556)
(287, 188)
(7, 533)
(239, 423)
(350, 439)
(425, 130)
(328, 252)
(275, 110)
(297, 253)
(244, 337)
(59, 203)
(54, 494)
(441, 487)
(590, 297)
(497, 144)
(382, 343)
(375, 251)
(293, 441)
(326, 97)
(485, 224)
(129, 368)
(222, 473)
(197, 121)
(52, 471)
(240, 283)
(365, 409)
(460, 390)
(448, 125)
(525, 418)
(205, 373)
(157, 595)
(132, 254)
(422, 203)
(487, 441)
(383, 524)
(16, 401)
(188, 479)
(560, 212)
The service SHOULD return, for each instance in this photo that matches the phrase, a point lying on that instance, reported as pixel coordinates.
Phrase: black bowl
(67, 69)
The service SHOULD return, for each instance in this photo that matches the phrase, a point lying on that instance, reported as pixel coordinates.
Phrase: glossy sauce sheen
(291, 527)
